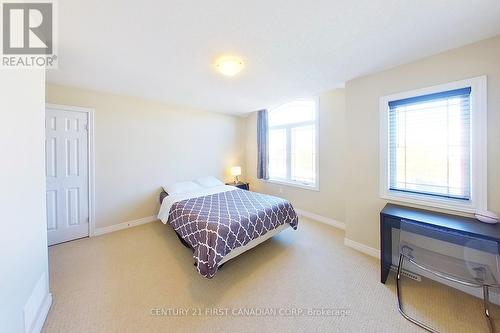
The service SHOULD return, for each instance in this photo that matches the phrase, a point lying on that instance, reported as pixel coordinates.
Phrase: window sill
(432, 202)
(292, 184)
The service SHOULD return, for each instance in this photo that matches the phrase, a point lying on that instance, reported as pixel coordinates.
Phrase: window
(433, 146)
(293, 156)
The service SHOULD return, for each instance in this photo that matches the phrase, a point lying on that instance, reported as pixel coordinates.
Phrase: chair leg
(486, 300)
(400, 301)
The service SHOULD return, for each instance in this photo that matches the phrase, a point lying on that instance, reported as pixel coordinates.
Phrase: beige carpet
(137, 280)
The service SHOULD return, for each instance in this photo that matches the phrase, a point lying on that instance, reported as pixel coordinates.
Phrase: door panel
(73, 206)
(72, 158)
(67, 175)
(52, 210)
(51, 156)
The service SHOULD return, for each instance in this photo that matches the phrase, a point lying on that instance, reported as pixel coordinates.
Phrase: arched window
(293, 143)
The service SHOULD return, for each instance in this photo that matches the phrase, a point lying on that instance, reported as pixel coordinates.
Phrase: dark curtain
(262, 145)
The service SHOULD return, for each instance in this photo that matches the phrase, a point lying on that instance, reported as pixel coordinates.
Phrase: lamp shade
(236, 171)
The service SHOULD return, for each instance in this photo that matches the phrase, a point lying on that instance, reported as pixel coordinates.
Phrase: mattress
(222, 222)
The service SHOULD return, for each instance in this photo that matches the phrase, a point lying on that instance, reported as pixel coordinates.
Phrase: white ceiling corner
(164, 50)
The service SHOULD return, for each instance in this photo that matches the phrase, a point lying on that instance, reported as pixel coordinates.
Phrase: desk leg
(385, 248)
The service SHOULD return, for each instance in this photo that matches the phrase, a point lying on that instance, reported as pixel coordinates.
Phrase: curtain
(262, 145)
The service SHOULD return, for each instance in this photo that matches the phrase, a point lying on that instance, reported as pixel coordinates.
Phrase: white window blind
(430, 144)
(292, 143)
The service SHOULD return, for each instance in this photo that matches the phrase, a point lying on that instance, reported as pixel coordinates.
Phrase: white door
(66, 149)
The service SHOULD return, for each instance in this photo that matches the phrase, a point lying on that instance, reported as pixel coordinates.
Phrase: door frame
(91, 156)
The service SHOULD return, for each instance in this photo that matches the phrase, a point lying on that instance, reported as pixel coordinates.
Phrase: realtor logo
(28, 34)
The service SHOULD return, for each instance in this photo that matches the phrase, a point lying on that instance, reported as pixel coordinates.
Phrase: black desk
(392, 215)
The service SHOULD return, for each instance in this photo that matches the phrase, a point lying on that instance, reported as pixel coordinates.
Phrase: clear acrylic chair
(454, 257)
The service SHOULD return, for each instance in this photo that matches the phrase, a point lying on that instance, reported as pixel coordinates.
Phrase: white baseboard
(124, 225)
(37, 306)
(42, 314)
(322, 219)
(340, 225)
(362, 248)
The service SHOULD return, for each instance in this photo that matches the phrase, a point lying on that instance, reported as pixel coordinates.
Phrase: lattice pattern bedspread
(216, 224)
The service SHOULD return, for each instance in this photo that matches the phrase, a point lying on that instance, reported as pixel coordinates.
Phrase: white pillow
(209, 181)
(182, 187)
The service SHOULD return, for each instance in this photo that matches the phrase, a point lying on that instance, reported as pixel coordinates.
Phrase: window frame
(479, 189)
(288, 182)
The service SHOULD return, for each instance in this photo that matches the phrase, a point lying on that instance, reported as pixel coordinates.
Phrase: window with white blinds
(293, 143)
(433, 146)
(430, 144)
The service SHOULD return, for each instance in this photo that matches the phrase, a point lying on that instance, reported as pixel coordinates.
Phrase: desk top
(466, 225)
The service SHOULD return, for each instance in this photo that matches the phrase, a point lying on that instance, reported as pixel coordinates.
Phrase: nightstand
(243, 186)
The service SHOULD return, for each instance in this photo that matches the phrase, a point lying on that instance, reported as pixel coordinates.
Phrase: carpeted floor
(143, 280)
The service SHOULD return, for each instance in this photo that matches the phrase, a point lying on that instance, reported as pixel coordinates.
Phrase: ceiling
(165, 50)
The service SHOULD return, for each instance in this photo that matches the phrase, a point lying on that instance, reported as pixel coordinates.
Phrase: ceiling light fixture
(229, 65)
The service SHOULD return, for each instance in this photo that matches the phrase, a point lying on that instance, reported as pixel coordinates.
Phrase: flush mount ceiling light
(229, 65)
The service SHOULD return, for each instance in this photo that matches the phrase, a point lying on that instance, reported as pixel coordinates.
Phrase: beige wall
(349, 133)
(142, 145)
(329, 200)
(23, 253)
(362, 131)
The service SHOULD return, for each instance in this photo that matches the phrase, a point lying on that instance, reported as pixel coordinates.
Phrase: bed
(221, 222)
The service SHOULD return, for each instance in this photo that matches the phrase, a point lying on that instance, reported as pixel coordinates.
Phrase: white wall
(329, 201)
(23, 239)
(141, 145)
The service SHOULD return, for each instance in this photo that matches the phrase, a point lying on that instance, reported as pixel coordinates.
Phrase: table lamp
(236, 171)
